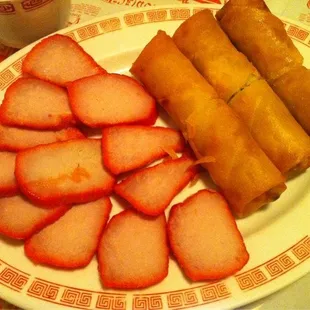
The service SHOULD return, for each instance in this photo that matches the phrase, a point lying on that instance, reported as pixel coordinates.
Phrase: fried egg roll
(202, 41)
(273, 127)
(218, 137)
(294, 89)
(261, 36)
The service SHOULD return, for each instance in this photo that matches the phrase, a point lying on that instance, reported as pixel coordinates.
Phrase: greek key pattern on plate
(12, 277)
(94, 30)
(297, 33)
(110, 301)
(181, 299)
(7, 77)
(75, 297)
(158, 15)
(275, 267)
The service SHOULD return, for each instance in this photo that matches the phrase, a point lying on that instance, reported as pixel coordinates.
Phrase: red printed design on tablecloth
(29, 5)
(6, 8)
(85, 8)
(130, 3)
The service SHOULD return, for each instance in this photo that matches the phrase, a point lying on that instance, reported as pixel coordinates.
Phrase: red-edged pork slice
(204, 237)
(133, 251)
(72, 241)
(63, 172)
(17, 139)
(129, 147)
(8, 185)
(111, 99)
(19, 218)
(36, 104)
(59, 59)
(151, 190)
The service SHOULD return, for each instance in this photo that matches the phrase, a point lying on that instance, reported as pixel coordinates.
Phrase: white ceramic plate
(277, 237)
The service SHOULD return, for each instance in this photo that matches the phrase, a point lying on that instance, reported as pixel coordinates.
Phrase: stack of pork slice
(57, 181)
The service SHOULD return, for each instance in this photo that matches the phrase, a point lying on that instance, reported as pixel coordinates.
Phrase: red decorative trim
(7, 8)
(275, 267)
(30, 5)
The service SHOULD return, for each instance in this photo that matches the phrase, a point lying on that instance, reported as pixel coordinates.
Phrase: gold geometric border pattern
(74, 297)
(298, 33)
(182, 299)
(275, 267)
(12, 277)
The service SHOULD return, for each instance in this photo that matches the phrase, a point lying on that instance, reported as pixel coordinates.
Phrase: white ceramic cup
(25, 21)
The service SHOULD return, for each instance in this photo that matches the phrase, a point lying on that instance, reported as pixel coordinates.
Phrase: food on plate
(125, 148)
(63, 173)
(204, 237)
(36, 104)
(204, 43)
(19, 218)
(59, 59)
(151, 190)
(272, 125)
(261, 36)
(294, 89)
(8, 186)
(17, 139)
(111, 99)
(133, 252)
(71, 241)
(243, 172)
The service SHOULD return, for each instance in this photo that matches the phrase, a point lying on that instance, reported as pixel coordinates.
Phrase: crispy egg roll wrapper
(202, 41)
(243, 172)
(294, 89)
(273, 127)
(261, 36)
